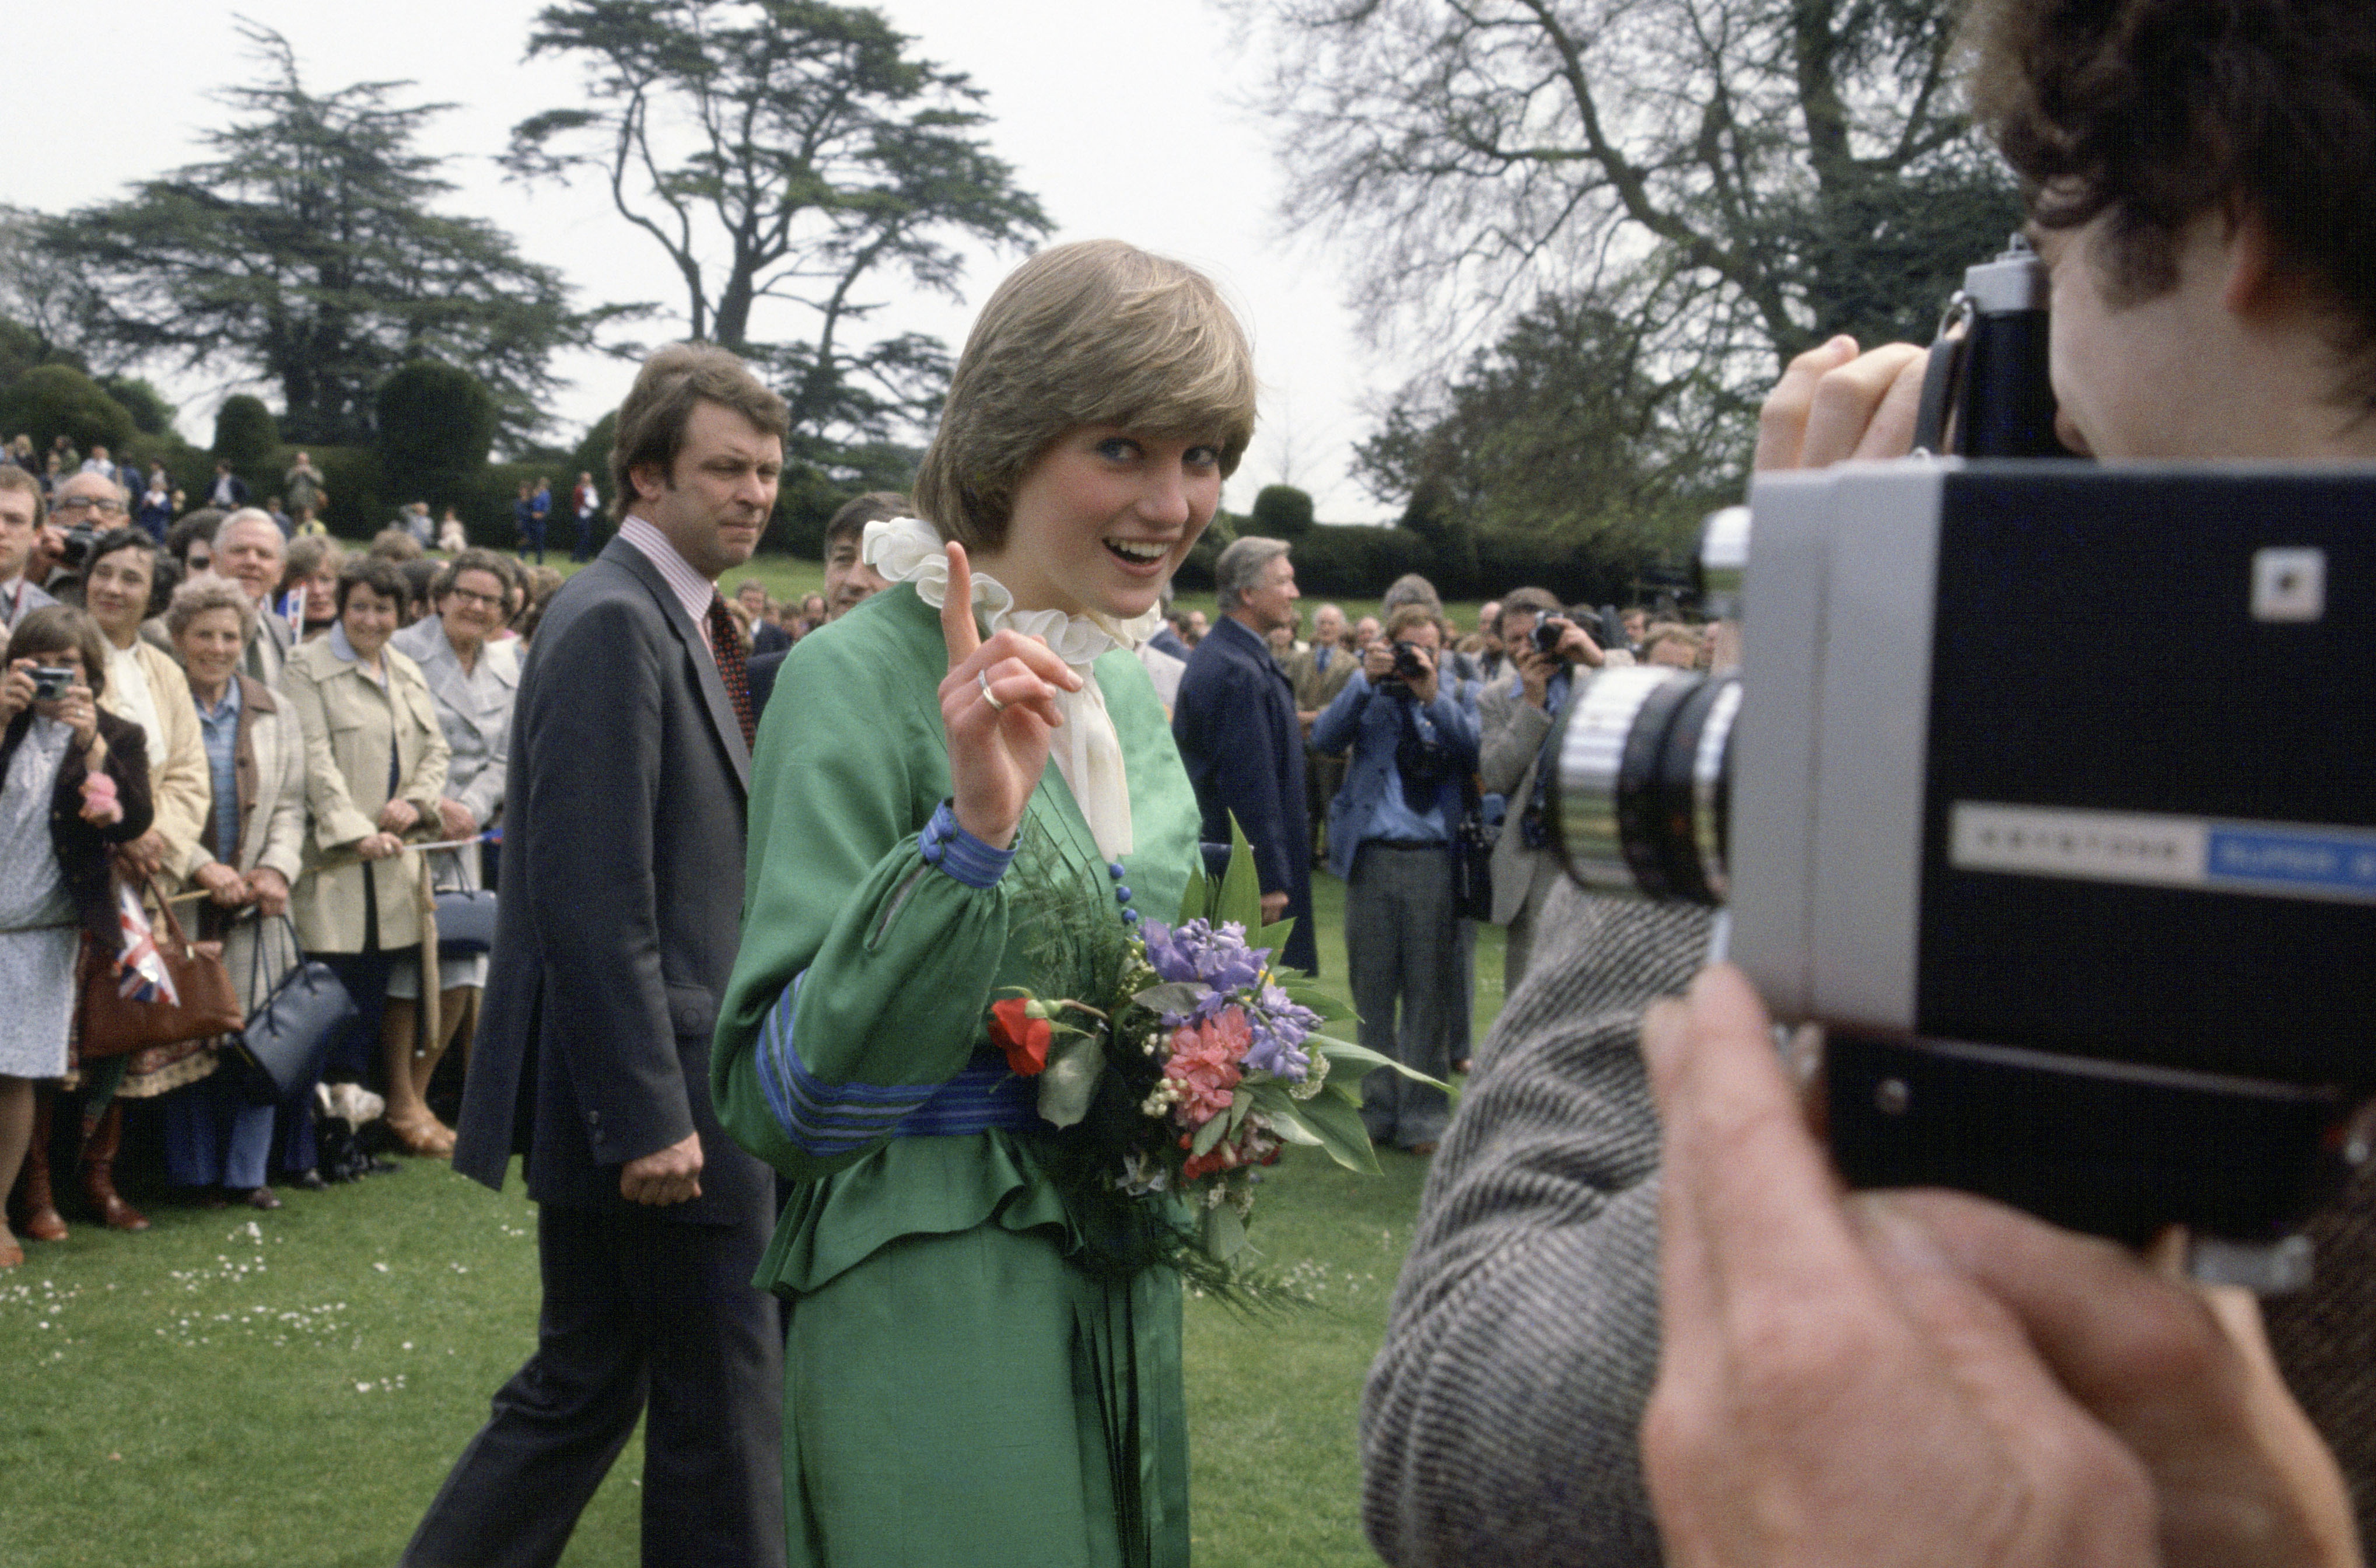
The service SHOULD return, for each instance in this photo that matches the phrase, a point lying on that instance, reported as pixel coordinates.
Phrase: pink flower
(1204, 1065)
(101, 805)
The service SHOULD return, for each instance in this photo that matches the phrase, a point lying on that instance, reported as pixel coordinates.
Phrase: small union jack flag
(145, 976)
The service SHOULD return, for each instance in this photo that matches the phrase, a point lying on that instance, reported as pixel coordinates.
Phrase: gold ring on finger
(981, 679)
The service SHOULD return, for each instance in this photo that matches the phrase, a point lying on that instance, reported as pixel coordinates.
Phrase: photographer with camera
(1916, 1378)
(1413, 741)
(1516, 715)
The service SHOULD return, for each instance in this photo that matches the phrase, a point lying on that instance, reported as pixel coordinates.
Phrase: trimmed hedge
(49, 400)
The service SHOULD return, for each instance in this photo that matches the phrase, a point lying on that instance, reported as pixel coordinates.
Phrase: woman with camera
(1413, 739)
(74, 782)
(375, 772)
(247, 858)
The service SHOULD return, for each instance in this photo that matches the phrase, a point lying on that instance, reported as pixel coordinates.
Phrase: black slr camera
(2097, 939)
(1407, 668)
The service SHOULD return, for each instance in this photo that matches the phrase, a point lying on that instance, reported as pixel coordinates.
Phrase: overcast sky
(1116, 113)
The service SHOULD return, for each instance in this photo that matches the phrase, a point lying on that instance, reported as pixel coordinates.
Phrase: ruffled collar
(909, 549)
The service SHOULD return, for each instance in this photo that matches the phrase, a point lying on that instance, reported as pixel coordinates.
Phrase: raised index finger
(956, 610)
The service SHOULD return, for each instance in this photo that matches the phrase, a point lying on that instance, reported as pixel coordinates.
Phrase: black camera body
(2096, 939)
(1547, 634)
(52, 682)
(79, 542)
(1988, 391)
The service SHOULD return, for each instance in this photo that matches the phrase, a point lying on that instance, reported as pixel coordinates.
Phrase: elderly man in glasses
(84, 506)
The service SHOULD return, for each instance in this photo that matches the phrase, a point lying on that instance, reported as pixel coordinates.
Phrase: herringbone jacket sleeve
(1502, 1418)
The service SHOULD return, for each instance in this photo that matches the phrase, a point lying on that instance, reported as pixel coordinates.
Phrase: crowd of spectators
(281, 719)
(269, 746)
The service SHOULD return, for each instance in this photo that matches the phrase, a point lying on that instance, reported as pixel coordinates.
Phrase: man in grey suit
(1515, 714)
(622, 896)
(250, 551)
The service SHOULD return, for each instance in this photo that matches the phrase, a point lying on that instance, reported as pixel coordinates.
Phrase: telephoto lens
(1643, 786)
(1641, 795)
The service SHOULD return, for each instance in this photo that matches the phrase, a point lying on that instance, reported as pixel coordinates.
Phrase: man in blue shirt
(1390, 836)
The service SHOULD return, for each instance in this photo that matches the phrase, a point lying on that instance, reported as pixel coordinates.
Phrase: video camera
(2098, 940)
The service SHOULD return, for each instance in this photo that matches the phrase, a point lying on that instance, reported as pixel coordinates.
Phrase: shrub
(436, 425)
(1281, 511)
(358, 506)
(1356, 562)
(151, 415)
(247, 435)
(1196, 570)
(51, 400)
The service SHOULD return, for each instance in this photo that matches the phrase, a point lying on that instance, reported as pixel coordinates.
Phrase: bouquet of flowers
(1205, 1060)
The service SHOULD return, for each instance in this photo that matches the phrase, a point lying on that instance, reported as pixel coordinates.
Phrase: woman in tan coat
(374, 769)
(247, 859)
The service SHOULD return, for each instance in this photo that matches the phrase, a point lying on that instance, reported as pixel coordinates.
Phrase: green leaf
(1340, 1054)
(1196, 903)
(1224, 1231)
(1173, 996)
(1241, 898)
(1208, 1134)
(1071, 1079)
(1273, 936)
(1241, 1102)
(1338, 1128)
(1279, 1109)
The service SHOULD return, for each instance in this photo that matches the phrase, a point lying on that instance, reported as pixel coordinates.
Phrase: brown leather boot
(98, 1174)
(37, 1205)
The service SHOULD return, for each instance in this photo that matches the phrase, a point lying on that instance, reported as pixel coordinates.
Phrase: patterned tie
(726, 642)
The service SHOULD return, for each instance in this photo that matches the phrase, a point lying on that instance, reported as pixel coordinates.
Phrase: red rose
(1023, 1038)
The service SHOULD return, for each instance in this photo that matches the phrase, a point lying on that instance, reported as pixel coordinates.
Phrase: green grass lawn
(290, 1388)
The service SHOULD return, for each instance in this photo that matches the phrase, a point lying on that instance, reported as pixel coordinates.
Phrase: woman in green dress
(966, 764)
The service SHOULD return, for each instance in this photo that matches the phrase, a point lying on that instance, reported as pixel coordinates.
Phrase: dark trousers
(1403, 955)
(639, 1313)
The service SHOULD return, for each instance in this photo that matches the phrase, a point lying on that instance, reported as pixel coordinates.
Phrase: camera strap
(1940, 379)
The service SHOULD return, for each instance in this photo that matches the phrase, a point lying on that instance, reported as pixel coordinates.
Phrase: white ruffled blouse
(1087, 751)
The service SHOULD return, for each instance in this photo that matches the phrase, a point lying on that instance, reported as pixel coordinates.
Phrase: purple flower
(1279, 1025)
(1276, 1053)
(1196, 952)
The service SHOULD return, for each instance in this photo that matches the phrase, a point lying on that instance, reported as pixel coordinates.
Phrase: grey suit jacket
(1502, 1416)
(622, 901)
(21, 602)
(1511, 732)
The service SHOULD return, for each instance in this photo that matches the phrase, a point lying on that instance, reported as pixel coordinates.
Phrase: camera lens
(1642, 787)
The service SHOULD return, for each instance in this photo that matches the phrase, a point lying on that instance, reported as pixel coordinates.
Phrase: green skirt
(970, 1396)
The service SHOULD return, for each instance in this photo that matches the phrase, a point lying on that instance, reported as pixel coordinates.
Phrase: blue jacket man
(1238, 733)
(1390, 834)
(1368, 720)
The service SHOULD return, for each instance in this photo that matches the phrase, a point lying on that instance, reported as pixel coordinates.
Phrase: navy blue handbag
(288, 1037)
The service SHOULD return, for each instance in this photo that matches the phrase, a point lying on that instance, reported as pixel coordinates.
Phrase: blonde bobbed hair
(1093, 333)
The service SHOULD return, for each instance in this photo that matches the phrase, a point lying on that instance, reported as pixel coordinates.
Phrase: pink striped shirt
(692, 589)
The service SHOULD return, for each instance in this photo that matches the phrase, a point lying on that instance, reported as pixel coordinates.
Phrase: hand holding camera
(56, 690)
(1401, 668)
(1555, 641)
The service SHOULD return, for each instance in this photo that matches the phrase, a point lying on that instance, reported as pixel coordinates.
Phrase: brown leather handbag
(113, 1024)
